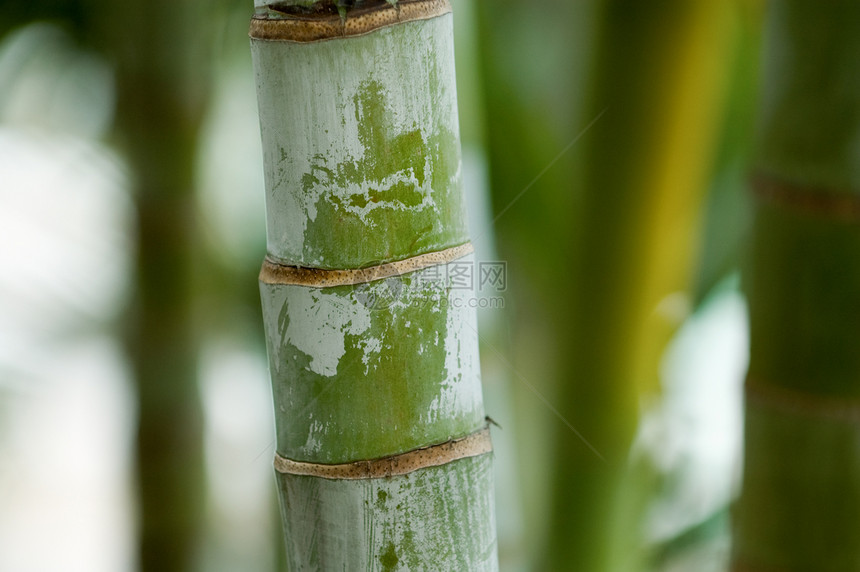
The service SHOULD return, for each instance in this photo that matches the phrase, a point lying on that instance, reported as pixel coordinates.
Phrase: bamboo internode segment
(833, 408)
(274, 273)
(359, 21)
(844, 207)
(477, 443)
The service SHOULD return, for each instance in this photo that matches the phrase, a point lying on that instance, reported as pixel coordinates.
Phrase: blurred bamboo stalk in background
(800, 504)
(658, 80)
(383, 454)
(162, 91)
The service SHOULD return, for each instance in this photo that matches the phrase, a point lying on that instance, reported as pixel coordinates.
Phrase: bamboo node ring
(305, 28)
(840, 206)
(273, 272)
(477, 443)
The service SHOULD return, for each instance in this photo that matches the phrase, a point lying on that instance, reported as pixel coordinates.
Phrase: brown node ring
(806, 199)
(318, 27)
(273, 272)
(767, 395)
(477, 443)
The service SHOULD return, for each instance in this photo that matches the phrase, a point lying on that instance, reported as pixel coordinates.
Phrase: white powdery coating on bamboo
(305, 145)
(438, 518)
(461, 352)
(318, 324)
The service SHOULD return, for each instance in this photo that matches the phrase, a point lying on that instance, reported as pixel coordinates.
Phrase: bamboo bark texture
(383, 456)
(799, 508)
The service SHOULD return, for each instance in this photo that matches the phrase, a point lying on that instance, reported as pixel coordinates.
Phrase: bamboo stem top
(308, 27)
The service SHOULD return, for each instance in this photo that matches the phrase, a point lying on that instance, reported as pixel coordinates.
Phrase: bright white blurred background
(66, 410)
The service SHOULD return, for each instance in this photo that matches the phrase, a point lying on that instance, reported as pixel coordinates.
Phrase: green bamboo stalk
(532, 85)
(161, 81)
(800, 504)
(618, 220)
(659, 73)
(382, 452)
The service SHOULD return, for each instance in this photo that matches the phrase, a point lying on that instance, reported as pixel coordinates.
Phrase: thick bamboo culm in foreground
(383, 456)
(799, 508)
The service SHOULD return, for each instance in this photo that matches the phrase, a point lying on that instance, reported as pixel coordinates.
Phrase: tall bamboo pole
(800, 504)
(383, 457)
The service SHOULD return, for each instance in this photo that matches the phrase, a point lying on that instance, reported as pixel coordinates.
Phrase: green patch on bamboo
(367, 170)
(373, 369)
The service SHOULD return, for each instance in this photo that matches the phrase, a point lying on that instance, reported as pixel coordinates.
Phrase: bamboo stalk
(530, 92)
(161, 82)
(382, 453)
(617, 211)
(800, 504)
(659, 73)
